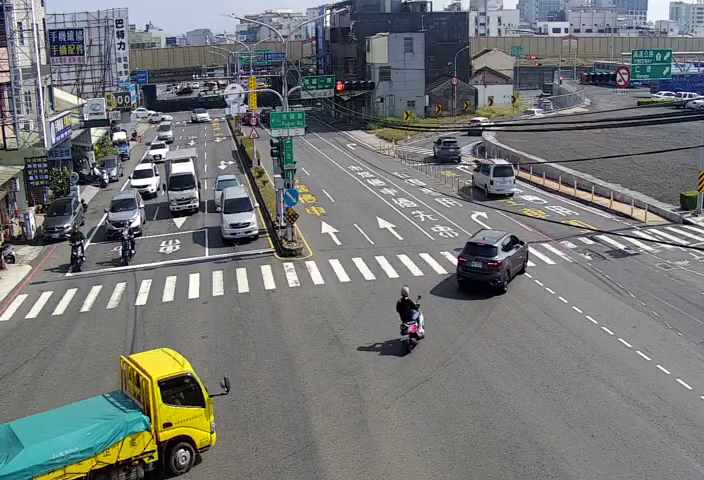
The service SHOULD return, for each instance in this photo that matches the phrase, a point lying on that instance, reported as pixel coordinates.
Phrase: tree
(60, 182)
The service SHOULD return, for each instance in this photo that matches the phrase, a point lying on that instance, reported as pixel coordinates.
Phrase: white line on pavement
(242, 281)
(12, 308)
(625, 342)
(363, 233)
(450, 257)
(607, 330)
(544, 258)
(268, 277)
(64, 302)
(363, 269)
(314, 273)
(332, 200)
(643, 355)
(586, 240)
(639, 244)
(90, 299)
(685, 234)
(143, 292)
(556, 251)
(116, 295)
(386, 266)
(682, 382)
(169, 289)
(412, 267)
(612, 242)
(663, 369)
(666, 235)
(305, 171)
(591, 320)
(37, 307)
(193, 285)
(291, 276)
(439, 269)
(218, 283)
(339, 270)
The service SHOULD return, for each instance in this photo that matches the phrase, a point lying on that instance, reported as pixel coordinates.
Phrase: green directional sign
(287, 124)
(651, 64)
(289, 161)
(318, 86)
(517, 51)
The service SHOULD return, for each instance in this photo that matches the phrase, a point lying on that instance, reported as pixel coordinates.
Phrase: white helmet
(405, 291)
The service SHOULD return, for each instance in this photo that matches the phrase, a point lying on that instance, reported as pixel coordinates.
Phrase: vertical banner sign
(36, 171)
(252, 95)
(122, 47)
(67, 46)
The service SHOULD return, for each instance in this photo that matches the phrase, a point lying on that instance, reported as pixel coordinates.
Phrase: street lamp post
(454, 84)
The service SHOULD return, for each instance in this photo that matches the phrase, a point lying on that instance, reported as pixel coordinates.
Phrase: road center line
(682, 382)
(332, 200)
(643, 355)
(362, 232)
(663, 369)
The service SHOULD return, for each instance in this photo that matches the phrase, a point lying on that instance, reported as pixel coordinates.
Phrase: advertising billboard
(171, 41)
(67, 46)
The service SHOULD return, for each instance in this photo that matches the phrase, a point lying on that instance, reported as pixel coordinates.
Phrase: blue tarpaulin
(41, 443)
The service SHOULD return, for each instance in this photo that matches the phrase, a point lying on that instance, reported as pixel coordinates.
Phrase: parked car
(491, 257)
(126, 209)
(146, 179)
(495, 176)
(683, 98)
(61, 216)
(200, 115)
(664, 95)
(157, 151)
(114, 168)
(221, 183)
(141, 113)
(446, 149)
(238, 219)
(165, 132)
(155, 117)
(696, 104)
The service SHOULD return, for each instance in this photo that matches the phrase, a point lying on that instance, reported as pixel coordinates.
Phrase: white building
(552, 29)
(669, 28)
(200, 36)
(284, 21)
(104, 41)
(688, 16)
(592, 21)
(150, 37)
(494, 23)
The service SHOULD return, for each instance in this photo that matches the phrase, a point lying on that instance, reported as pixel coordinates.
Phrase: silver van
(165, 132)
(495, 176)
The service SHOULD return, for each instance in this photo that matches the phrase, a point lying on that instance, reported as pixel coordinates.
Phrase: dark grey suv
(446, 149)
(492, 257)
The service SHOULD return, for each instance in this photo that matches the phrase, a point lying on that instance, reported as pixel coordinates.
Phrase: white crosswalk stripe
(685, 233)
(556, 251)
(314, 273)
(639, 244)
(568, 244)
(291, 276)
(143, 292)
(667, 236)
(268, 277)
(218, 283)
(193, 285)
(39, 304)
(450, 257)
(610, 241)
(339, 270)
(116, 295)
(386, 266)
(363, 269)
(91, 298)
(586, 240)
(64, 302)
(408, 263)
(439, 269)
(642, 234)
(542, 257)
(12, 307)
(694, 229)
(169, 289)
(242, 280)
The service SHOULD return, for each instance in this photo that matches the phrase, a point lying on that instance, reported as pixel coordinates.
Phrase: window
(407, 44)
(556, 30)
(28, 101)
(182, 391)
(410, 104)
(384, 74)
(20, 33)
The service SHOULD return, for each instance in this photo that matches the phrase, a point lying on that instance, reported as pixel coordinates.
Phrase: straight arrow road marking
(386, 225)
(328, 229)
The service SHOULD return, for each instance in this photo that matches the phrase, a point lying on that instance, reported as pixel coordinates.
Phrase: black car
(492, 257)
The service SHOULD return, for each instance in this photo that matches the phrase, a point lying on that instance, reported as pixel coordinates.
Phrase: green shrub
(654, 101)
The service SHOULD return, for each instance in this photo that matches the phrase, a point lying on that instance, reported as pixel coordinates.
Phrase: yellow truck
(162, 416)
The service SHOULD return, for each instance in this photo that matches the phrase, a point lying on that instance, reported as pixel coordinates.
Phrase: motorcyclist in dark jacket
(405, 307)
(77, 238)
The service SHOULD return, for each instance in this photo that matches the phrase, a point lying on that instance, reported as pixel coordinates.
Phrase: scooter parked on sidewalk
(8, 254)
(412, 331)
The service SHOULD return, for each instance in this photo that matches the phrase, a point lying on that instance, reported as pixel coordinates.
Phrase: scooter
(104, 178)
(127, 249)
(411, 332)
(77, 257)
(8, 254)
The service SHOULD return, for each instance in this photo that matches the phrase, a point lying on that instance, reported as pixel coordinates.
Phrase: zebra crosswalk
(270, 277)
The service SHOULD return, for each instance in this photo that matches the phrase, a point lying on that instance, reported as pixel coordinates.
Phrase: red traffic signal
(340, 86)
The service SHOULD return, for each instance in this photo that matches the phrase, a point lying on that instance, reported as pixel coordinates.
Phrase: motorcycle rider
(408, 310)
(128, 238)
(78, 239)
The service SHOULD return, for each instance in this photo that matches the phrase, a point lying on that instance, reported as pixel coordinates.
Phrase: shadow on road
(448, 288)
(388, 348)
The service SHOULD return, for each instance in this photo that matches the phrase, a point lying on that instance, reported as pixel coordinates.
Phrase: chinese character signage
(121, 47)
(67, 46)
(37, 171)
(59, 128)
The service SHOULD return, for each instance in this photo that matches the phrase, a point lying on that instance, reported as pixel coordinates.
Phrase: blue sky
(178, 16)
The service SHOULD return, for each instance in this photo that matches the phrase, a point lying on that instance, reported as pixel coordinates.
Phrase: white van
(495, 177)
(182, 186)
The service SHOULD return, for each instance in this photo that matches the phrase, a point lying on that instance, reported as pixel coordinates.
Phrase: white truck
(182, 186)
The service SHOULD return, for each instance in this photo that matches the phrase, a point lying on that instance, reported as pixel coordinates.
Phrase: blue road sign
(141, 77)
(290, 197)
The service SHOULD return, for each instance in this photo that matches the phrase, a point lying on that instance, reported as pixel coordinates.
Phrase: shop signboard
(67, 46)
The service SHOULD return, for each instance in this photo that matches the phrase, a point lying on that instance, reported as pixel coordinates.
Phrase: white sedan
(141, 113)
(157, 151)
(696, 104)
(664, 95)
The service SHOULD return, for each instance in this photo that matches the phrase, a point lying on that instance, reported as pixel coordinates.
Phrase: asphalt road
(589, 368)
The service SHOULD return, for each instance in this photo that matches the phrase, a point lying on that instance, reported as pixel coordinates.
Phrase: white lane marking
(586, 240)
(314, 273)
(12, 307)
(332, 200)
(568, 244)
(65, 301)
(694, 229)
(363, 233)
(450, 257)
(408, 263)
(538, 282)
(612, 242)
(639, 244)
(268, 277)
(663, 369)
(666, 235)
(550, 291)
(542, 257)
(90, 299)
(556, 251)
(439, 269)
(625, 342)
(530, 263)
(577, 309)
(193, 285)
(39, 304)
(242, 281)
(643, 355)
(686, 234)
(607, 330)
(339, 270)
(385, 224)
(386, 266)
(563, 299)
(641, 234)
(591, 319)
(305, 171)
(205, 184)
(116, 295)
(218, 283)
(143, 292)
(291, 276)
(169, 289)
(156, 212)
(363, 269)
(528, 275)
(682, 382)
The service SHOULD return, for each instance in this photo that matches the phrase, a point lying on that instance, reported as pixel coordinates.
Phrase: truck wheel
(181, 458)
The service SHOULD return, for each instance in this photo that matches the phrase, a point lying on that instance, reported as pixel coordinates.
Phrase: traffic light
(277, 150)
(340, 86)
(355, 86)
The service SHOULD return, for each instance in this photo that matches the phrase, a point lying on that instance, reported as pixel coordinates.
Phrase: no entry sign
(623, 76)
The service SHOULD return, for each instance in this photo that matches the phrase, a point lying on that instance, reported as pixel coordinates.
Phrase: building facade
(285, 21)
(635, 11)
(494, 23)
(200, 36)
(149, 37)
(592, 20)
(552, 29)
(533, 11)
(396, 63)
(688, 16)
